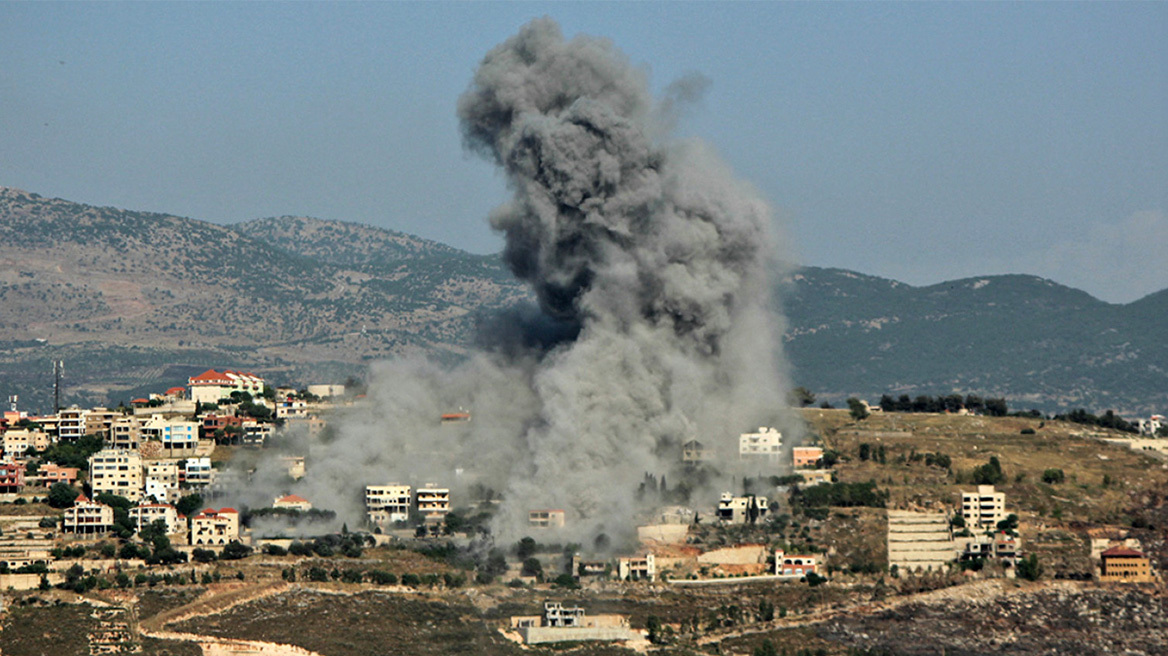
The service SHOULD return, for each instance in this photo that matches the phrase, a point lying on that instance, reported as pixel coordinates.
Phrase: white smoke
(652, 267)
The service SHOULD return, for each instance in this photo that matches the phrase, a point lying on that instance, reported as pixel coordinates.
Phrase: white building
(147, 513)
(433, 502)
(763, 444)
(211, 385)
(116, 471)
(795, 566)
(293, 502)
(179, 437)
(16, 441)
(386, 504)
(637, 568)
(197, 472)
(984, 508)
(736, 510)
(88, 517)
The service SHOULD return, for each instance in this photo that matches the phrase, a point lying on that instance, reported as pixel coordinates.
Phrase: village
(98, 499)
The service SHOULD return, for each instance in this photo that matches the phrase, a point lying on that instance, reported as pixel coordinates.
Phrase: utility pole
(58, 372)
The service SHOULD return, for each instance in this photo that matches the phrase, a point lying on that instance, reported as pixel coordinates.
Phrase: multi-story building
(806, 456)
(1120, 564)
(546, 519)
(255, 433)
(11, 477)
(737, 510)
(984, 508)
(116, 471)
(291, 408)
(125, 433)
(179, 437)
(211, 385)
(51, 472)
(294, 465)
(87, 517)
(637, 568)
(214, 528)
(70, 424)
(16, 441)
(386, 504)
(98, 421)
(795, 565)
(763, 444)
(694, 451)
(146, 514)
(433, 502)
(162, 479)
(197, 472)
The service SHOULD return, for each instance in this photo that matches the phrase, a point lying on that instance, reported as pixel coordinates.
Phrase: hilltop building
(116, 471)
(211, 385)
(763, 444)
(386, 504)
(984, 508)
(737, 510)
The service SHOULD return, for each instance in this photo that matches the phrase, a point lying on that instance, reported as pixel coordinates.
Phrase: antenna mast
(58, 372)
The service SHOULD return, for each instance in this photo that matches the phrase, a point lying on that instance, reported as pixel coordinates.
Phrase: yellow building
(1124, 565)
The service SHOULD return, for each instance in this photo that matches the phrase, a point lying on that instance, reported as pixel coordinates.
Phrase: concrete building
(984, 508)
(255, 433)
(693, 452)
(637, 568)
(17, 441)
(295, 466)
(920, 541)
(98, 420)
(564, 624)
(1000, 546)
(1123, 565)
(433, 502)
(146, 514)
(116, 471)
(546, 518)
(815, 476)
(795, 566)
(87, 517)
(70, 424)
(806, 456)
(211, 385)
(737, 510)
(291, 408)
(386, 504)
(51, 472)
(11, 477)
(198, 473)
(214, 528)
(326, 391)
(179, 437)
(125, 433)
(763, 444)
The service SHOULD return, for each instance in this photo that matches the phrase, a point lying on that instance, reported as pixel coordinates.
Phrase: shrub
(382, 577)
(200, 555)
(411, 580)
(1053, 476)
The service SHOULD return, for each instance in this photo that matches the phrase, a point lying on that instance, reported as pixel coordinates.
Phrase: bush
(317, 574)
(1029, 569)
(235, 551)
(382, 577)
(200, 555)
(275, 550)
(1053, 476)
(300, 549)
(412, 580)
(1028, 431)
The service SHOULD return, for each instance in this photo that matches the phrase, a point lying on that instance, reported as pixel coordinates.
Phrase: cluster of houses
(393, 504)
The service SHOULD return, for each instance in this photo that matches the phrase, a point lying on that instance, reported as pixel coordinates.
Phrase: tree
(1009, 524)
(62, 495)
(989, 473)
(1029, 569)
(865, 452)
(526, 548)
(653, 625)
(767, 648)
(803, 397)
(189, 505)
(532, 567)
(858, 408)
(1053, 476)
(200, 555)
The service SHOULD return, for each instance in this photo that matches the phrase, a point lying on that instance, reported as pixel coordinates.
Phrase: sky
(922, 142)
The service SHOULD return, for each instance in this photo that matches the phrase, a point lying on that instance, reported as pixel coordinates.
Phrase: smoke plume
(651, 266)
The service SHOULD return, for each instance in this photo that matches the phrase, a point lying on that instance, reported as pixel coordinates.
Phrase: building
(211, 386)
(179, 437)
(694, 452)
(51, 472)
(125, 433)
(737, 510)
(116, 471)
(386, 504)
(291, 408)
(17, 441)
(806, 456)
(11, 477)
(326, 391)
(293, 502)
(87, 517)
(433, 502)
(984, 508)
(637, 568)
(146, 514)
(295, 466)
(795, 566)
(763, 444)
(546, 518)
(1123, 565)
(97, 421)
(197, 472)
(214, 528)
(815, 476)
(70, 424)
(255, 433)
(563, 624)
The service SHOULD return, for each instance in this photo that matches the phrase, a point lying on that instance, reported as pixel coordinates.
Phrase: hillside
(134, 300)
(1031, 340)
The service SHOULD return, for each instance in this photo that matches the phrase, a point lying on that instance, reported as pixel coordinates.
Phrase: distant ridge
(137, 301)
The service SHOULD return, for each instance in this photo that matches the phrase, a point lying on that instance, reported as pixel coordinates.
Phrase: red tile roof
(1122, 552)
(294, 498)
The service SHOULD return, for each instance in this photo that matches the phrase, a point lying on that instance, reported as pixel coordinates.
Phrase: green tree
(1029, 569)
(62, 495)
(858, 409)
(1053, 476)
(653, 625)
(526, 548)
(802, 397)
(189, 505)
(767, 648)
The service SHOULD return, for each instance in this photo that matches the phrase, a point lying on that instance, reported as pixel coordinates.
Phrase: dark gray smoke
(651, 265)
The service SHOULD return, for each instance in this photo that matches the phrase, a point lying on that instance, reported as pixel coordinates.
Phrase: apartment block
(984, 508)
(737, 510)
(197, 472)
(433, 502)
(763, 444)
(88, 517)
(116, 471)
(146, 514)
(386, 504)
(214, 528)
(546, 518)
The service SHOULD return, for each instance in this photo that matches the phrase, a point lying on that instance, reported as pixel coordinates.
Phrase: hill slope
(136, 300)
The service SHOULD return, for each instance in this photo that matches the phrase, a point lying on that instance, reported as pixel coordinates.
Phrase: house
(213, 423)
(815, 476)
(795, 566)
(295, 466)
(146, 514)
(637, 568)
(433, 502)
(326, 391)
(806, 456)
(293, 502)
(97, 421)
(17, 441)
(70, 424)
(214, 528)
(1124, 565)
(175, 394)
(11, 477)
(694, 451)
(386, 504)
(211, 385)
(763, 444)
(738, 510)
(87, 517)
(179, 437)
(125, 433)
(255, 433)
(564, 624)
(546, 519)
(116, 471)
(291, 408)
(984, 508)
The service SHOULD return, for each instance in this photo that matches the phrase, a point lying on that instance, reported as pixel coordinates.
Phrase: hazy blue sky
(917, 141)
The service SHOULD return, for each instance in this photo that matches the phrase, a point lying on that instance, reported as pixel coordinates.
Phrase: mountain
(137, 301)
